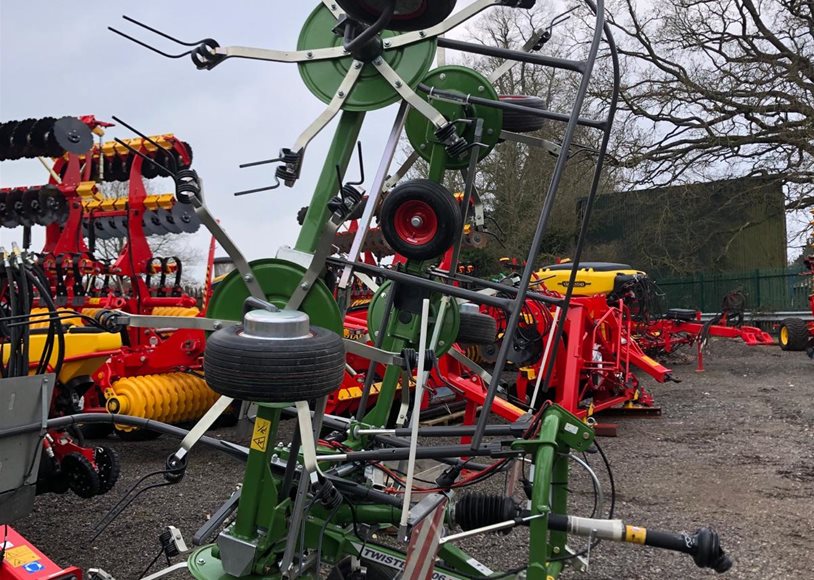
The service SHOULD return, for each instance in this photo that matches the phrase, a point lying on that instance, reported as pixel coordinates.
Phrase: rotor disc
(372, 91)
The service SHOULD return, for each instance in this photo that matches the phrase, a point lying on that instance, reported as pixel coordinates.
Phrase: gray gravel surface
(734, 449)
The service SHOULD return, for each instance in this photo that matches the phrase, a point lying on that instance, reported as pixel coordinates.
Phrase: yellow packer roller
(170, 397)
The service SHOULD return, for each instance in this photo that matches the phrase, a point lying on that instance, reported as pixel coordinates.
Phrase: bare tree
(718, 88)
(514, 178)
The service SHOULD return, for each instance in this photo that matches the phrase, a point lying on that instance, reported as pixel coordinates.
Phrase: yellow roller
(176, 311)
(84, 352)
(170, 398)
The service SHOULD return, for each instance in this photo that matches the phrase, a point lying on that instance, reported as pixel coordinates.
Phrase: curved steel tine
(147, 46)
(158, 32)
(259, 189)
(256, 163)
(150, 140)
(361, 167)
(560, 18)
(142, 155)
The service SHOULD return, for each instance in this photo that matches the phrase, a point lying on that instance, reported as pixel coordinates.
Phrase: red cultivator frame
(154, 374)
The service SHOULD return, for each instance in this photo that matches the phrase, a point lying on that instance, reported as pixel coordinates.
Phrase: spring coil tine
(187, 185)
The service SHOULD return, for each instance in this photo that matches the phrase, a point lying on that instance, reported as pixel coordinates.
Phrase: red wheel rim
(416, 223)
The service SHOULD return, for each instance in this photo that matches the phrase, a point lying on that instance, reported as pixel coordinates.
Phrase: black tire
(442, 219)
(794, 334)
(343, 571)
(97, 430)
(137, 435)
(81, 476)
(519, 122)
(477, 328)
(274, 371)
(429, 13)
(108, 466)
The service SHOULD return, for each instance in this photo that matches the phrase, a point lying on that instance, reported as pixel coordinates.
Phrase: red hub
(416, 222)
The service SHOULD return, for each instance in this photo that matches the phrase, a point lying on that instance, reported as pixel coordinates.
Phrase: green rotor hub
(449, 328)
(278, 279)
(465, 81)
(372, 92)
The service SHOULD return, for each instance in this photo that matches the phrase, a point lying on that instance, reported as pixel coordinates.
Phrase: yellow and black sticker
(635, 535)
(20, 556)
(260, 436)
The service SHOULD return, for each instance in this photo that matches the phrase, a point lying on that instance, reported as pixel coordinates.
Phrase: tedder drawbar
(275, 326)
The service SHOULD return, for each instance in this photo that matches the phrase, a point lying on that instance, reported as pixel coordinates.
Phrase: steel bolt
(387, 43)
(305, 286)
(416, 221)
(200, 561)
(310, 55)
(586, 435)
(481, 89)
(443, 76)
(217, 325)
(398, 84)
(341, 94)
(248, 277)
(358, 65)
(422, 34)
(556, 549)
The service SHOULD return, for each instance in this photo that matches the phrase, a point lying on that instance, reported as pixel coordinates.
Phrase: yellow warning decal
(635, 535)
(260, 437)
(20, 556)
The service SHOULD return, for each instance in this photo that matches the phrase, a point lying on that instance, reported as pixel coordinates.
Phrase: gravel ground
(734, 449)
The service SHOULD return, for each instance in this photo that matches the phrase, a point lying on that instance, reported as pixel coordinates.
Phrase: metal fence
(783, 289)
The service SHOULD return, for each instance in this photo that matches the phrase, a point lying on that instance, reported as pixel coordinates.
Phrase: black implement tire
(794, 335)
(429, 13)
(274, 371)
(82, 478)
(137, 435)
(108, 466)
(519, 122)
(477, 328)
(440, 215)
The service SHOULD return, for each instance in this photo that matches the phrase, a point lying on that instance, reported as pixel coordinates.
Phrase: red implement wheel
(420, 219)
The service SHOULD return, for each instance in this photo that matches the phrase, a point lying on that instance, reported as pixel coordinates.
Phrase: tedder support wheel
(409, 15)
(794, 334)
(520, 122)
(477, 328)
(246, 365)
(420, 219)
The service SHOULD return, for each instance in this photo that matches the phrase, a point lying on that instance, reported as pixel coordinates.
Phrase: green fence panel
(767, 290)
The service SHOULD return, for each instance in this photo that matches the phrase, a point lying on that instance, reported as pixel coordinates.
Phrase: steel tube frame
(600, 28)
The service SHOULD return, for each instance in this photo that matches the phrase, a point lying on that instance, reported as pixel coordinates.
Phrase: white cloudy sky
(58, 58)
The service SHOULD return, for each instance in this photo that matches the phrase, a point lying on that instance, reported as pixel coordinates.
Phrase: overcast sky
(58, 58)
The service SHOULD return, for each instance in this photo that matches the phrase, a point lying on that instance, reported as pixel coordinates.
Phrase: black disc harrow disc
(73, 135)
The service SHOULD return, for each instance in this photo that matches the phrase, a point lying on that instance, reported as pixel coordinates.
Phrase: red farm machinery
(797, 334)
(98, 219)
